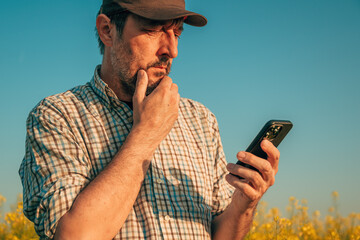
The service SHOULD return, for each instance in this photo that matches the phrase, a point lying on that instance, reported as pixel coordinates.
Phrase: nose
(168, 44)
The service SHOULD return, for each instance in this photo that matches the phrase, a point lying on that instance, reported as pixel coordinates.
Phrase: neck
(108, 75)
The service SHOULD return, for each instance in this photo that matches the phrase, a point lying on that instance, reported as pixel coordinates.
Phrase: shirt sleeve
(222, 190)
(54, 170)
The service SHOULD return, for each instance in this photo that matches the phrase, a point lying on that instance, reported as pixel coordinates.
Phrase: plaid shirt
(72, 136)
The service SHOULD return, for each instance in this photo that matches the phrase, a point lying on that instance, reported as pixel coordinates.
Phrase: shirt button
(159, 181)
(167, 218)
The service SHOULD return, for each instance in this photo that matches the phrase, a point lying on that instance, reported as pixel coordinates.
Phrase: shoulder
(192, 109)
(189, 103)
(64, 104)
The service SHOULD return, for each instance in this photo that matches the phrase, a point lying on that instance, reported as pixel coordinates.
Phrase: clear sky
(255, 60)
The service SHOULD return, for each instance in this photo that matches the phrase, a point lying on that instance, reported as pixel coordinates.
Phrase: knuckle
(174, 97)
(258, 196)
(162, 92)
(267, 168)
(257, 178)
(272, 182)
(253, 197)
(277, 153)
(167, 80)
(237, 170)
(253, 175)
(175, 87)
(229, 178)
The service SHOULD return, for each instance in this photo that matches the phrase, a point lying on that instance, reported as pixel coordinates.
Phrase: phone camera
(272, 132)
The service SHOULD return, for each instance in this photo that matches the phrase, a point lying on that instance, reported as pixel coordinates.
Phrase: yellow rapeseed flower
(335, 194)
(2, 200)
(268, 224)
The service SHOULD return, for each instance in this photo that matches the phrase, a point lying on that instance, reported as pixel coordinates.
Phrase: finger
(272, 153)
(141, 86)
(178, 99)
(166, 83)
(253, 177)
(249, 159)
(262, 165)
(174, 87)
(242, 186)
(175, 92)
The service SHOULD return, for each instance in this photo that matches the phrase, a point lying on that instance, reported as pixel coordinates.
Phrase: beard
(121, 61)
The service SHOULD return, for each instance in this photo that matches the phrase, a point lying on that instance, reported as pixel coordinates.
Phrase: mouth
(160, 71)
(160, 67)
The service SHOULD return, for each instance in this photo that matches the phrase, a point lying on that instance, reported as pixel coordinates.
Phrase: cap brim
(192, 18)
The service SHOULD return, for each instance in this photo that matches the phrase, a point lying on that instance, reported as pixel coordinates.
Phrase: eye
(177, 35)
(151, 31)
(156, 31)
(148, 31)
(178, 32)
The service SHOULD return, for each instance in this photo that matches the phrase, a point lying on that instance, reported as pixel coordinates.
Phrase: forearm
(102, 207)
(232, 224)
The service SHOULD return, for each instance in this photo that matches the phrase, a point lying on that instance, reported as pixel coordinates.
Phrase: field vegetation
(298, 224)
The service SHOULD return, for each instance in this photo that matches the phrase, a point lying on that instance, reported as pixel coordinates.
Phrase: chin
(154, 73)
(150, 89)
(152, 85)
(155, 79)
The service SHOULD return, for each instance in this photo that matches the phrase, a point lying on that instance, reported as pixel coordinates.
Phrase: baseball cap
(160, 10)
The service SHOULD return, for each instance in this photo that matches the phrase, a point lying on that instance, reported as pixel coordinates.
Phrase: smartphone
(274, 131)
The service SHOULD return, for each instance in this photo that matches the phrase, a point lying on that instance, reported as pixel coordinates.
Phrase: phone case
(275, 131)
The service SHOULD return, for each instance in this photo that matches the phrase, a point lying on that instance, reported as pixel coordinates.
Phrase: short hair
(117, 16)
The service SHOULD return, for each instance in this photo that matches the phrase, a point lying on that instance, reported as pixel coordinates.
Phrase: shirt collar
(101, 88)
(105, 92)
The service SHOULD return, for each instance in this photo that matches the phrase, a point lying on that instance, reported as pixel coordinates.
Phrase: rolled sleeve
(222, 190)
(54, 170)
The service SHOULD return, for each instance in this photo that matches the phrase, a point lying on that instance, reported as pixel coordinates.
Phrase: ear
(104, 26)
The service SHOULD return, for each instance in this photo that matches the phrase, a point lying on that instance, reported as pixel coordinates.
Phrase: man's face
(147, 45)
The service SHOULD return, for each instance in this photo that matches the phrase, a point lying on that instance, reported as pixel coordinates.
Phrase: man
(124, 157)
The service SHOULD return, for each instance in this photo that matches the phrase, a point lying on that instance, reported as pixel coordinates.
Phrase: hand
(155, 114)
(250, 189)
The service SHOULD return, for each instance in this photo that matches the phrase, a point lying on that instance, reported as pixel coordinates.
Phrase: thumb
(141, 86)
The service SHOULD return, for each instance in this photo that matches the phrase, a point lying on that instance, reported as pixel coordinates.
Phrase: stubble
(122, 58)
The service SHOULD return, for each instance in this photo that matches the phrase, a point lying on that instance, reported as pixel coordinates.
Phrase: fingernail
(266, 143)
(241, 155)
(230, 166)
(141, 73)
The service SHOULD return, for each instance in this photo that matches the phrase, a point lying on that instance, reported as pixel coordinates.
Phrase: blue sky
(255, 60)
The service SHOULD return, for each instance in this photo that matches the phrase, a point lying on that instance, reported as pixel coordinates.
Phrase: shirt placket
(124, 113)
(166, 215)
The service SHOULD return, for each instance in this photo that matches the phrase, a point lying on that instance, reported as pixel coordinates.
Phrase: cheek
(144, 48)
(139, 52)
(137, 56)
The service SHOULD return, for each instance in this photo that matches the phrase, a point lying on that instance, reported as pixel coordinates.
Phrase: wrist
(241, 212)
(141, 141)
(242, 205)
